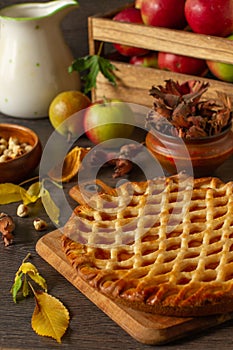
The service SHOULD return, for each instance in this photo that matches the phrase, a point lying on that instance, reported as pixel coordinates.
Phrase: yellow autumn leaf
(26, 267)
(32, 194)
(65, 171)
(25, 288)
(50, 206)
(31, 270)
(10, 193)
(50, 317)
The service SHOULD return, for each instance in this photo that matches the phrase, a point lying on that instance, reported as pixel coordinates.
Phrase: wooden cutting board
(144, 327)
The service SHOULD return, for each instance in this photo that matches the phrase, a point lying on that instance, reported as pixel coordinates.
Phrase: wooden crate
(134, 82)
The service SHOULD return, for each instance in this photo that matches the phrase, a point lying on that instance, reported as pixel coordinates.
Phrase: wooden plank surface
(144, 327)
(134, 83)
(162, 39)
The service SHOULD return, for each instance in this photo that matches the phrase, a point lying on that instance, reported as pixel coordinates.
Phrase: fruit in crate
(61, 110)
(182, 64)
(220, 70)
(108, 119)
(163, 13)
(137, 4)
(149, 60)
(130, 15)
(213, 17)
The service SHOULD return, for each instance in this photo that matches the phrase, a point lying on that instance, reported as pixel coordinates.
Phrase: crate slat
(133, 86)
(163, 39)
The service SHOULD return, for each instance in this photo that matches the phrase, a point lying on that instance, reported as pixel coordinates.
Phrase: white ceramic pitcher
(34, 57)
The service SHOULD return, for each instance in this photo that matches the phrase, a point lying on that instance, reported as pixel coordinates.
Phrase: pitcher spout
(29, 11)
(57, 6)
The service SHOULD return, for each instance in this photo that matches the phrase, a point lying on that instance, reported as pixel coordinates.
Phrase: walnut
(7, 226)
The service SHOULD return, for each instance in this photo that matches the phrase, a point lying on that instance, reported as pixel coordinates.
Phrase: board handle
(88, 189)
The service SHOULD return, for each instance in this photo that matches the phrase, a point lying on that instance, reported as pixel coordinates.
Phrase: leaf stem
(100, 48)
(33, 290)
(27, 257)
(29, 180)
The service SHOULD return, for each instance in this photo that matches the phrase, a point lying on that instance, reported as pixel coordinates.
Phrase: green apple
(222, 71)
(65, 113)
(106, 120)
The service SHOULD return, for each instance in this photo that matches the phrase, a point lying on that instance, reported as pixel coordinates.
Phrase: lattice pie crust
(163, 246)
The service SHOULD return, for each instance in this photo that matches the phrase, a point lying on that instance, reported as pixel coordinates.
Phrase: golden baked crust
(163, 246)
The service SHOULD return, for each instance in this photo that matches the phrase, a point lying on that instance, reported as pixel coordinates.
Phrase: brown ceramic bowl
(16, 170)
(201, 155)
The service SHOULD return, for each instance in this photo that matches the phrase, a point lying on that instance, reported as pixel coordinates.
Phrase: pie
(163, 246)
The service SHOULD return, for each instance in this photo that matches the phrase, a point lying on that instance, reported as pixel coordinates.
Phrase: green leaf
(90, 66)
(16, 286)
(79, 64)
(106, 67)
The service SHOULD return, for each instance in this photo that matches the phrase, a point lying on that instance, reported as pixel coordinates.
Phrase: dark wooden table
(89, 327)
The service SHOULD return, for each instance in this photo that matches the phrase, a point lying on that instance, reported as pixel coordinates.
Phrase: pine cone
(179, 110)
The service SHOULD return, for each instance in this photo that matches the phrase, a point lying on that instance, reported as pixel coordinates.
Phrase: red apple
(108, 120)
(130, 15)
(222, 71)
(164, 13)
(181, 64)
(137, 4)
(210, 17)
(149, 60)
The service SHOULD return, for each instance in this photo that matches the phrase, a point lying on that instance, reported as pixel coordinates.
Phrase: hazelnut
(3, 141)
(40, 224)
(28, 148)
(2, 148)
(3, 158)
(13, 141)
(22, 210)
(12, 148)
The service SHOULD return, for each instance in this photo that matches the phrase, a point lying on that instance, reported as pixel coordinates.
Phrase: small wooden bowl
(201, 155)
(17, 169)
